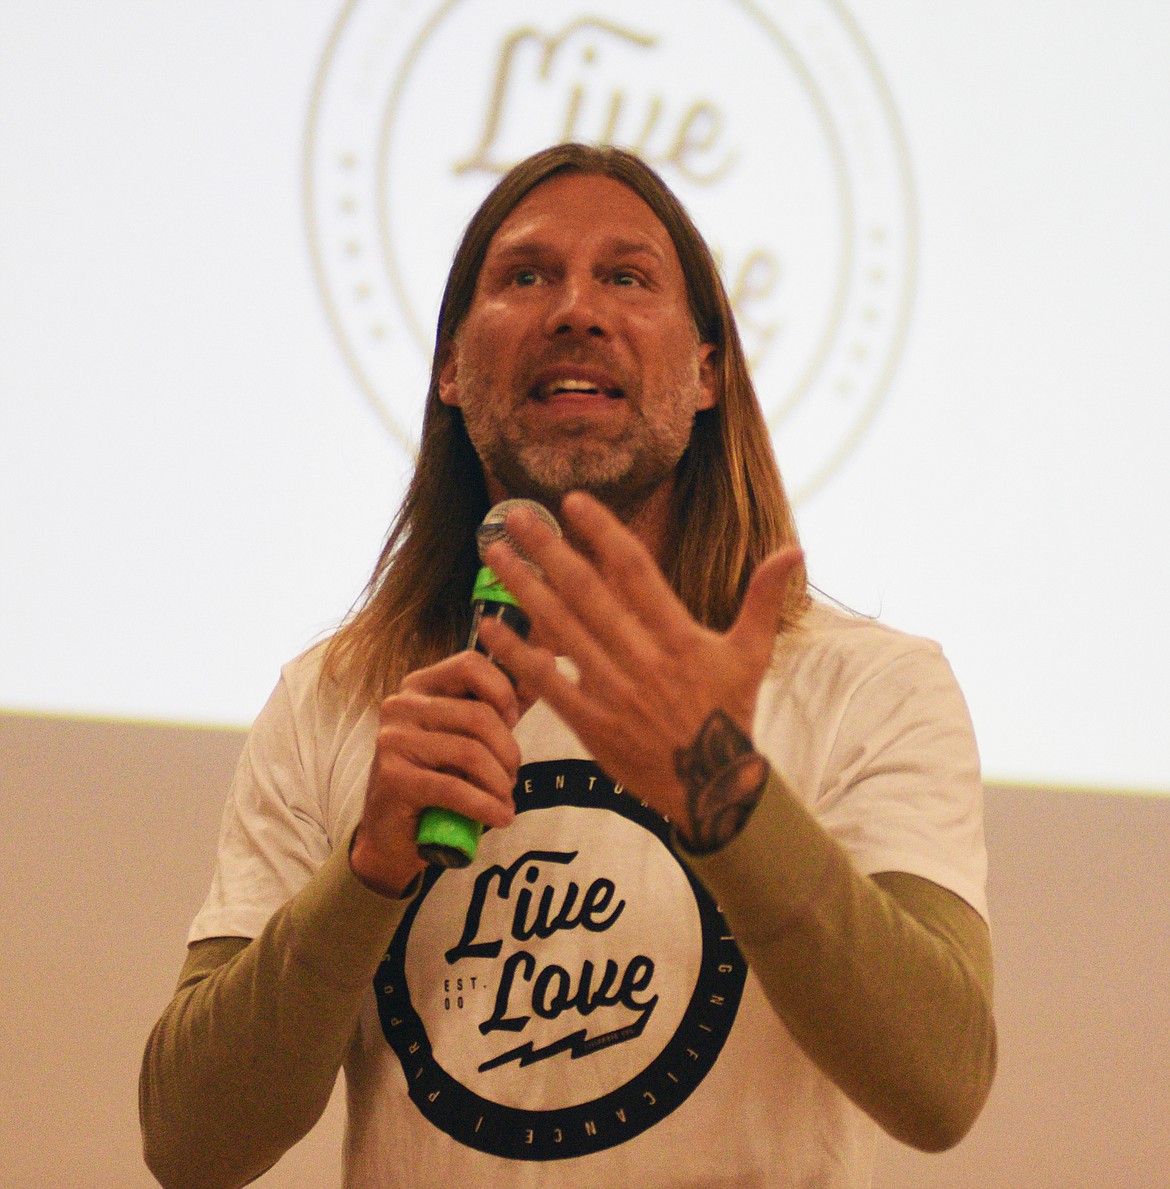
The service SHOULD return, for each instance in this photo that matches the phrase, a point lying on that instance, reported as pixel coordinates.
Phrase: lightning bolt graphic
(576, 1044)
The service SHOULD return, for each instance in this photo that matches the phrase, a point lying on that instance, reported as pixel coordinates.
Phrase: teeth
(569, 386)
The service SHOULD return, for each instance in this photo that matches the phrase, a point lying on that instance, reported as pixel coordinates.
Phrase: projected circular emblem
(770, 120)
(568, 990)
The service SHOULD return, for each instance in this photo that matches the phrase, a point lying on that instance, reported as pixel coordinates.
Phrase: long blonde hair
(729, 507)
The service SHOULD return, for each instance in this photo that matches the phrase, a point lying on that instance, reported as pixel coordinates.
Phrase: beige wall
(107, 849)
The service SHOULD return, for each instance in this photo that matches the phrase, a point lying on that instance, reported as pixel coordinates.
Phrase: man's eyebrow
(534, 247)
(634, 247)
(518, 249)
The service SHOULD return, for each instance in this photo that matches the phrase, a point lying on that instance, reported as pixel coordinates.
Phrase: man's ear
(709, 378)
(448, 381)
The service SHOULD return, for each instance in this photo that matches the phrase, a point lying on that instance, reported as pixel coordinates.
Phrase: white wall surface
(107, 853)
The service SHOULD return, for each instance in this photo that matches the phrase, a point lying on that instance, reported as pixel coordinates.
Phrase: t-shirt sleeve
(901, 789)
(273, 835)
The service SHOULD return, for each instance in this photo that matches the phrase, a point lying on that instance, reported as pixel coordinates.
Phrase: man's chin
(548, 477)
(624, 495)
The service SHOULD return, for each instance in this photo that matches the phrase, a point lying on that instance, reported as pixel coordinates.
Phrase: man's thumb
(763, 602)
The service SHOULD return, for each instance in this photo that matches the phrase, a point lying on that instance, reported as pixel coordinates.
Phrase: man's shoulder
(313, 693)
(305, 669)
(833, 653)
(831, 631)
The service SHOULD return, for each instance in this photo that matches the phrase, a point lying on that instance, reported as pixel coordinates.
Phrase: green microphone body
(444, 837)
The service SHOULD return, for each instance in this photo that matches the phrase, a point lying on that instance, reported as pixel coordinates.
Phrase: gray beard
(622, 475)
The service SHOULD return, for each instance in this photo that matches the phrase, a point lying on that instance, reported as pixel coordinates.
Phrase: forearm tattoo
(724, 777)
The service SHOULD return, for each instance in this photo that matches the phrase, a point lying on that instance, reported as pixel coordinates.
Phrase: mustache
(591, 363)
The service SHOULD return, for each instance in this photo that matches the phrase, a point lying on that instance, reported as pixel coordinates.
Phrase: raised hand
(657, 697)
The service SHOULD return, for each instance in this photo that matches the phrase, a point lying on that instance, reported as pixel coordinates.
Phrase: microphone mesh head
(493, 528)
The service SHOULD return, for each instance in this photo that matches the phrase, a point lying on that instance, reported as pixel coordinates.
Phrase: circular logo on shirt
(771, 121)
(571, 987)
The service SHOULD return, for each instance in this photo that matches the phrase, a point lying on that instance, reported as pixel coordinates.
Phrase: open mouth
(565, 387)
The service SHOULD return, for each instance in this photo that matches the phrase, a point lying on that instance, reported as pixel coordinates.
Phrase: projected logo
(769, 119)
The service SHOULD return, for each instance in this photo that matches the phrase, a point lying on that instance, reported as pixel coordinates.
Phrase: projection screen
(948, 252)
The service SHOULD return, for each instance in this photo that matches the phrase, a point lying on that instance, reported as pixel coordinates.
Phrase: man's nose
(577, 307)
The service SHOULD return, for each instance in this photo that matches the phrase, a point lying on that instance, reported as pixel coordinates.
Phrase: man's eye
(625, 277)
(525, 276)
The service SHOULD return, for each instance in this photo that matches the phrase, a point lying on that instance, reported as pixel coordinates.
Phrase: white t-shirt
(570, 1009)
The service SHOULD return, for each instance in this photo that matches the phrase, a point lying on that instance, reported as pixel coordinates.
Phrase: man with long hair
(729, 911)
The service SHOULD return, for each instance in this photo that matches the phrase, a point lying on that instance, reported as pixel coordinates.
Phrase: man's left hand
(650, 681)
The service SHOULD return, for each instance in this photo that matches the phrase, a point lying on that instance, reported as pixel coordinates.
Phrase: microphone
(444, 837)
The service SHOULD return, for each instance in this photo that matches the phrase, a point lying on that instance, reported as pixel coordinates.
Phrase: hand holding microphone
(445, 837)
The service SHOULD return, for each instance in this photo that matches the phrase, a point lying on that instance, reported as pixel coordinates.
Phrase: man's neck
(649, 521)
